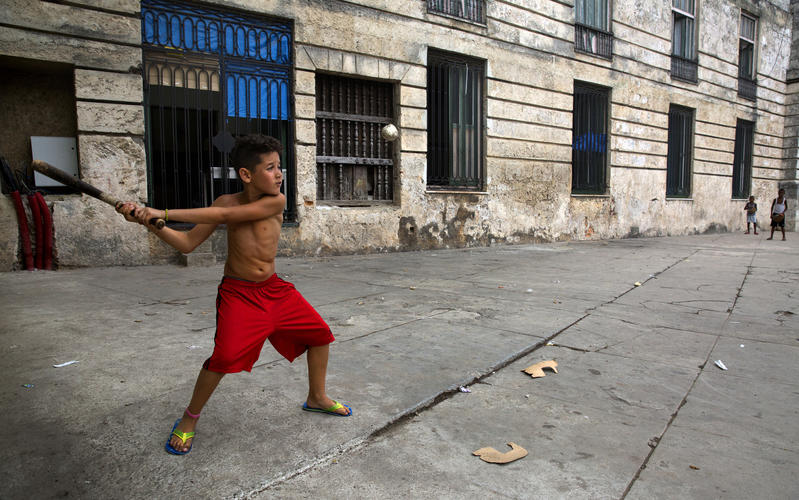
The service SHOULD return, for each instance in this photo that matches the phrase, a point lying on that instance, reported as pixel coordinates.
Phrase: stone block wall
(531, 68)
(99, 43)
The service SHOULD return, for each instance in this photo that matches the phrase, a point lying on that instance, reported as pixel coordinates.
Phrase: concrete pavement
(637, 410)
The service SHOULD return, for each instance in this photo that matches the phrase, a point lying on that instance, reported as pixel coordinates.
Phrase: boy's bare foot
(748, 232)
(756, 233)
(770, 238)
(187, 424)
(324, 403)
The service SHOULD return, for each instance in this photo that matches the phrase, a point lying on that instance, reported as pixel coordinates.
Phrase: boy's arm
(183, 241)
(220, 213)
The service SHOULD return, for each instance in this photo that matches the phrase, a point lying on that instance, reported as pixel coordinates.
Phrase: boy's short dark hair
(249, 148)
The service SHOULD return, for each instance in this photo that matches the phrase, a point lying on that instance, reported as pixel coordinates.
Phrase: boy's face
(266, 176)
(751, 198)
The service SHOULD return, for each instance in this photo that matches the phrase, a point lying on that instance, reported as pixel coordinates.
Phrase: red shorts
(247, 313)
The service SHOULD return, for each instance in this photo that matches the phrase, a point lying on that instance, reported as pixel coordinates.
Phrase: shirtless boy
(253, 303)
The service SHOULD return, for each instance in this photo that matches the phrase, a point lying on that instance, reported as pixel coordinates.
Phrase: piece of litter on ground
(741, 345)
(527, 396)
(492, 456)
(556, 281)
(27, 386)
(194, 347)
(720, 364)
(500, 286)
(694, 467)
(64, 364)
(551, 343)
(464, 389)
(651, 275)
(412, 287)
(637, 283)
(529, 290)
(537, 370)
(361, 303)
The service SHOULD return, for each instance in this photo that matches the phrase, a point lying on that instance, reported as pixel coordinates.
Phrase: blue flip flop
(183, 437)
(329, 411)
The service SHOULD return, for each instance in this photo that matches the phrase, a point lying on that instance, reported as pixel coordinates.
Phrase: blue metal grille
(211, 75)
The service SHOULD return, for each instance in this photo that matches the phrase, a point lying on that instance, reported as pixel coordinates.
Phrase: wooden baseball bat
(84, 187)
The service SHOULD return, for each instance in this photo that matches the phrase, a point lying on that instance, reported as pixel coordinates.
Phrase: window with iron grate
(590, 139)
(469, 10)
(455, 121)
(212, 75)
(742, 163)
(678, 163)
(354, 164)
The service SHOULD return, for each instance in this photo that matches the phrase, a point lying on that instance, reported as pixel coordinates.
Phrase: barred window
(742, 163)
(591, 30)
(678, 167)
(455, 129)
(684, 64)
(747, 87)
(590, 139)
(210, 76)
(354, 164)
(470, 10)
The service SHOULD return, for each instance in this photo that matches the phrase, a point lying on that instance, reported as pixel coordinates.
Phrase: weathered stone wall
(100, 44)
(531, 67)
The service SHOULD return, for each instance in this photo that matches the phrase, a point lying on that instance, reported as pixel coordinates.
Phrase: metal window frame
(684, 139)
(437, 137)
(239, 43)
(437, 7)
(601, 171)
(352, 151)
(742, 163)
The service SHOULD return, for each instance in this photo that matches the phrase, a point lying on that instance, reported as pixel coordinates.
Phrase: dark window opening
(455, 129)
(678, 167)
(590, 139)
(742, 163)
(354, 164)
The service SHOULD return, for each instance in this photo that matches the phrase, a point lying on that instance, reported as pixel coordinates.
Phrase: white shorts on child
(751, 218)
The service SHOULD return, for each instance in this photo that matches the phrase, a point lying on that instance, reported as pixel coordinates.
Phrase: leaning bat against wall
(84, 187)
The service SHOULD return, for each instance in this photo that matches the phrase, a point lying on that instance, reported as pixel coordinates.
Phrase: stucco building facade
(519, 120)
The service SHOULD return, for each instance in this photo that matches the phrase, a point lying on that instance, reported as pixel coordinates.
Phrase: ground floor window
(590, 139)
(354, 164)
(742, 162)
(210, 76)
(455, 129)
(678, 166)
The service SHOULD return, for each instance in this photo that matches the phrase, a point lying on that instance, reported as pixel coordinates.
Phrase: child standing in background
(751, 214)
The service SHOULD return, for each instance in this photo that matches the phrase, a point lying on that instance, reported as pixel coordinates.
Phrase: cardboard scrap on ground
(492, 456)
(537, 370)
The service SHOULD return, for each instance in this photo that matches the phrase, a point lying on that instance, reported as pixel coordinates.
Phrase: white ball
(389, 132)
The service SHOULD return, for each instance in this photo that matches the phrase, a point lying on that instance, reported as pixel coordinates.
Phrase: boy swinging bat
(253, 303)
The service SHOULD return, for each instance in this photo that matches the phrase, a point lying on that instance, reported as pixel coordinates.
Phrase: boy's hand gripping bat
(84, 187)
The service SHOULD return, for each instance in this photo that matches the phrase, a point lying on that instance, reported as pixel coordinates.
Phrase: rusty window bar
(355, 164)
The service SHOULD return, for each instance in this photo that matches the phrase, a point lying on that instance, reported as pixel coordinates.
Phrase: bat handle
(155, 222)
(158, 223)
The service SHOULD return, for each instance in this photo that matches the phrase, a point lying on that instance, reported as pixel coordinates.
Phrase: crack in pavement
(406, 415)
